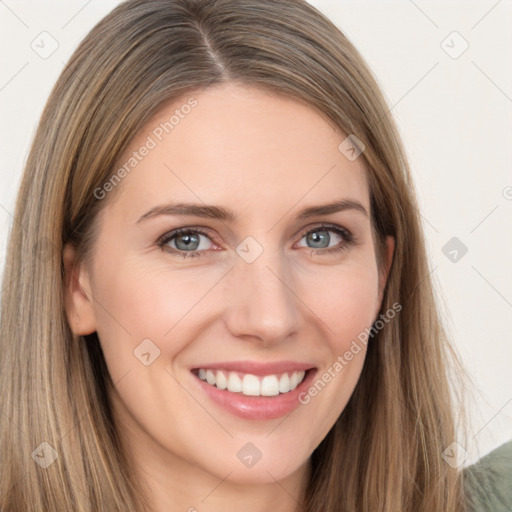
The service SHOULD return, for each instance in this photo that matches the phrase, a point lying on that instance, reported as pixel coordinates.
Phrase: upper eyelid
(327, 225)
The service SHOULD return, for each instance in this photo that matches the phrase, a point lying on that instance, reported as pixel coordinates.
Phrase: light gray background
(455, 115)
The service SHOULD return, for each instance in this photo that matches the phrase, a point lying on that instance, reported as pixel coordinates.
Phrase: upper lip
(257, 368)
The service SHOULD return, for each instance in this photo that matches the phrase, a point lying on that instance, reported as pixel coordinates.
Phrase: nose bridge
(263, 304)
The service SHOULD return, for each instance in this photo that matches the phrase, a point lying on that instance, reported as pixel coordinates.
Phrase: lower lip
(257, 407)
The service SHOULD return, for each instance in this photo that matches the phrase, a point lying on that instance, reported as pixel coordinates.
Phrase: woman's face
(269, 282)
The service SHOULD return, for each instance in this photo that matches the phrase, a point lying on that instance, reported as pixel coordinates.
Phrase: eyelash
(348, 237)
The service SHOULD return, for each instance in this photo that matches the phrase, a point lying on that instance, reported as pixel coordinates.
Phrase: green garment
(488, 482)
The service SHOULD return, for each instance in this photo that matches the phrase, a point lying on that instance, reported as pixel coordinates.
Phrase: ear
(78, 301)
(388, 259)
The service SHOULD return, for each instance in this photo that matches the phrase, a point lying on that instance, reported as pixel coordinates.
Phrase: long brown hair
(385, 451)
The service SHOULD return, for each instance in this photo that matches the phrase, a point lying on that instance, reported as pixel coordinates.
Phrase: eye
(186, 242)
(327, 238)
(191, 242)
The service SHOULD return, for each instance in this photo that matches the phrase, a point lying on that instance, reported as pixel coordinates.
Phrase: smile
(252, 385)
(254, 390)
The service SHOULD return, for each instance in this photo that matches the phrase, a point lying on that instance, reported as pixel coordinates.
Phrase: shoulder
(488, 482)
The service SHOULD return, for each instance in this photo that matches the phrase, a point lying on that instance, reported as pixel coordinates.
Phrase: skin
(265, 157)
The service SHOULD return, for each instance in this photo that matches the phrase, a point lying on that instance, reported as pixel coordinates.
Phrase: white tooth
(270, 386)
(251, 385)
(221, 380)
(210, 377)
(234, 383)
(284, 383)
(294, 380)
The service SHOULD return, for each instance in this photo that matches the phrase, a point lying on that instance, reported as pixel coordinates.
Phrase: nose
(262, 304)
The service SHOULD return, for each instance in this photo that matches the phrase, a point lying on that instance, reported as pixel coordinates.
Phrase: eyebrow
(224, 214)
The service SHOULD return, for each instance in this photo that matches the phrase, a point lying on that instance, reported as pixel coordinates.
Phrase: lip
(256, 368)
(256, 407)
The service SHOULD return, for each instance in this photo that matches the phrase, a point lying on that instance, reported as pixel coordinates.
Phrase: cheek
(138, 301)
(346, 300)
(347, 307)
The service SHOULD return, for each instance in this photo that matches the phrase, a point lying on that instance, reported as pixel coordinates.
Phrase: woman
(221, 293)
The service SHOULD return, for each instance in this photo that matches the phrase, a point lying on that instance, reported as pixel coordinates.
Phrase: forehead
(242, 146)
